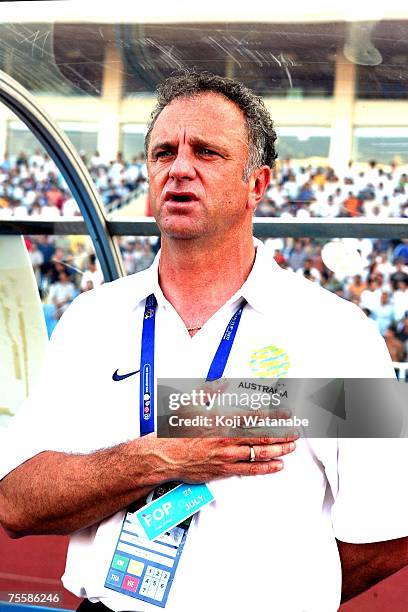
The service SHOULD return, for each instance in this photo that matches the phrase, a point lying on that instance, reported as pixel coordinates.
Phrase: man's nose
(183, 166)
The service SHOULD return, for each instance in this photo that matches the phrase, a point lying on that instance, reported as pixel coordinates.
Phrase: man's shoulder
(290, 295)
(293, 284)
(115, 298)
(308, 303)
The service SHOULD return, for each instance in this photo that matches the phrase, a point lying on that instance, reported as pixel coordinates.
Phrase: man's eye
(207, 152)
(161, 154)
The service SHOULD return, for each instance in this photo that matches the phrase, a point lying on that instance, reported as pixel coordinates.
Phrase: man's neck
(197, 279)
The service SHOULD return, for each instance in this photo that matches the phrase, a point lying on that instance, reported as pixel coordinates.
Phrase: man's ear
(258, 184)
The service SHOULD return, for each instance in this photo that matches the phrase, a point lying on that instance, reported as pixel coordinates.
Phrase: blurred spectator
(384, 313)
(81, 256)
(371, 297)
(129, 256)
(96, 161)
(394, 345)
(356, 288)
(148, 255)
(309, 271)
(330, 208)
(70, 208)
(400, 274)
(116, 170)
(402, 333)
(401, 252)
(58, 264)
(401, 300)
(384, 266)
(36, 211)
(55, 197)
(37, 260)
(46, 246)
(92, 277)
(296, 257)
(351, 205)
(61, 294)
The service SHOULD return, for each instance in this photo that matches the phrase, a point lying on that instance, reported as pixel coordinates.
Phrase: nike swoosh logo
(116, 376)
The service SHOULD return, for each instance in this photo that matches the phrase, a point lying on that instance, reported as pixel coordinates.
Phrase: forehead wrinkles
(204, 115)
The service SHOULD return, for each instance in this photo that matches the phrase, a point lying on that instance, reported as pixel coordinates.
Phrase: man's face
(197, 154)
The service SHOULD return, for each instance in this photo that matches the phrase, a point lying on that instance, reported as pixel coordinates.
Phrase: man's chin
(181, 229)
(181, 235)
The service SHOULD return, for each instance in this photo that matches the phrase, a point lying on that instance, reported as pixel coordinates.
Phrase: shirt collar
(256, 290)
(148, 282)
(258, 287)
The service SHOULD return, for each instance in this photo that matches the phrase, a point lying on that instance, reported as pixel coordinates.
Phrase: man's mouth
(180, 197)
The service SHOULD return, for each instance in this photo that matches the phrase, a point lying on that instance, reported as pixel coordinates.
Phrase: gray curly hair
(261, 133)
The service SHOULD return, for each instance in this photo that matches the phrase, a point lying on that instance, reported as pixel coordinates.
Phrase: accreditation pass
(151, 542)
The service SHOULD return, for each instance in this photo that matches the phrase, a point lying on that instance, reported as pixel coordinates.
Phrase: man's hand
(203, 459)
(363, 565)
(58, 493)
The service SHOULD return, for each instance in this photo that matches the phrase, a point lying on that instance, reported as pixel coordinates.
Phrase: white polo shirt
(268, 542)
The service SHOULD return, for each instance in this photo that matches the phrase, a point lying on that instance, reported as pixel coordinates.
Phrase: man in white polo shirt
(279, 539)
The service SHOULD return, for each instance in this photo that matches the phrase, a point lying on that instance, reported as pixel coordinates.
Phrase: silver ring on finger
(252, 456)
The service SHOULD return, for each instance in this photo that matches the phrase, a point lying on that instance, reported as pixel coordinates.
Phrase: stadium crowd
(31, 186)
(306, 191)
(379, 281)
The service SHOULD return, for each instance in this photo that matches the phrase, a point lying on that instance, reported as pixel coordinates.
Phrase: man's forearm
(58, 493)
(363, 565)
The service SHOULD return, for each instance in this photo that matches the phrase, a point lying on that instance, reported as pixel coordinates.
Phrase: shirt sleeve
(371, 504)
(371, 496)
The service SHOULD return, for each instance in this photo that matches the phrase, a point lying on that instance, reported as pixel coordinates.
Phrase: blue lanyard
(217, 367)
